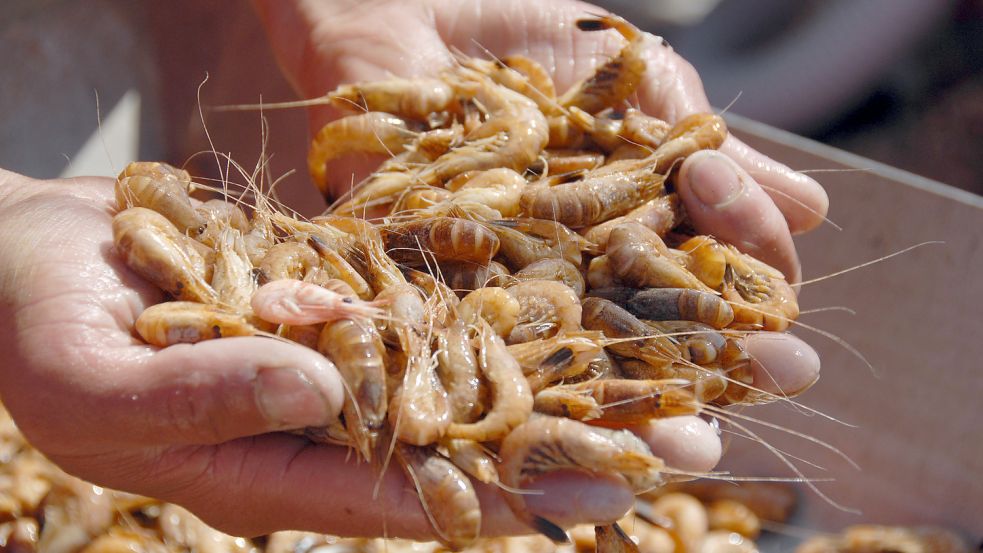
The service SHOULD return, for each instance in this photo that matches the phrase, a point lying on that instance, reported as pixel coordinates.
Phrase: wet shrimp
(465, 277)
(660, 214)
(473, 459)
(153, 247)
(544, 444)
(162, 188)
(334, 265)
(602, 194)
(686, 518)
(411, 98)
(546, 307)
(219, 214)
(446, 494)
(732, 516)
(443, 237)
(600, 274)
(612, 539)
(707, 384)
(371, 132)
(287, 260)
(180, 322)
(521, 74)
(295, 302)
(513, 136)
(628, 402)
(567, 162)
(457, 368)
(232, 277)
(563, 401)
(640, 258)
(700, 131)
(549, 360)
(494, 305)
(524, 241)
(498, 189)
(671, 304)
(511, 399)
(644, 343)
(554, 269)
(616, 80)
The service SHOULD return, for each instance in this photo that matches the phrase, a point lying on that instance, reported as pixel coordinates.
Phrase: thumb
(218, 390)
(723, 200)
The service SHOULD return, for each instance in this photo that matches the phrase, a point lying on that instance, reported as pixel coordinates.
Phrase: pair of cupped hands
(196, 424)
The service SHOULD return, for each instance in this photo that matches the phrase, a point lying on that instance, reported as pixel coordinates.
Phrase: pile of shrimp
(42, 509)
(517, 280)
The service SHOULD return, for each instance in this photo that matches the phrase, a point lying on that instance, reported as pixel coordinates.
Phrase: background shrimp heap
(506, 294)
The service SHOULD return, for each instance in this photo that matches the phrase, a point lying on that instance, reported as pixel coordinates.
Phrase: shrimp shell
(671, 304)
(287, 260)
(511, 399)
(616, 80)
(549, 360)
(660, 214)
(446, 494)
(465, 277)
(699, 131)
(180, 322)
(295, 302)
(545, 444)
(629, 402)
(457, 368)
(232, 277)
(525, 241)
(162, 188)
(555, 269)
(445, 238)
(547, 307)
(471, 457)
(562, 401)
(412, 98)
(612, 539)
(496, 306)
(615, 322)
(640, 258)
(154, 248)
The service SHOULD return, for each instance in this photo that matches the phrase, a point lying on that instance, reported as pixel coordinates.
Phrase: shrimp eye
(346, 300)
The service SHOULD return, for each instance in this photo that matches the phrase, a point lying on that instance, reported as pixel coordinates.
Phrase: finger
(218, 390)
(723, 200)
(800, 198)
(257, 485)
(781, 364)
(686, 443)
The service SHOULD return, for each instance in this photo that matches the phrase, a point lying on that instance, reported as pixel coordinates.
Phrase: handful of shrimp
(525, 288)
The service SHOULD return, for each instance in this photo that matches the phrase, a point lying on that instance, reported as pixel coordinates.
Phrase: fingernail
(572, 498)
(289, 399)
(714, 179)
(782, 363)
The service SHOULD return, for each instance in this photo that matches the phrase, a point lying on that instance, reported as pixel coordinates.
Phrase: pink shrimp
(294, 302)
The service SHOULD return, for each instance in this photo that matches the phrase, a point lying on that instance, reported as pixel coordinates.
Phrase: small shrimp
(232, 277)
(563, 401)
(472, 458)
(699, 131)
(457, 368)
(616, 80)
(555, 269)
(612, 539)
(295, 302)
(513, 136)
(671, 304)
(446, 494)
(377, 193)
(162, 188)
(521, 74)
(567, 161)
(465, 277)
(549, 360)
(729, 515)
(600, 274)
(700, 343)
(419, 411)
(547, 307)
(525, 241)
(287, 260)
(511, 399)
(660, 214)
(411, 98)
(545, 444)
(772, 501)
(604, 193)
(498, 189)
(179, 322)
(497, 307)
(259, 238)
(334, 265)
(219, 215)
(705, 383)
(615, 322)
(444, 237)
(74, 512)
(641, 259)
(356, 349)
(182, 529)
(628, 402)
(153, 247)
(721, 541)
(759, 294)
(686, 517)
(644, 130)
(372, 132)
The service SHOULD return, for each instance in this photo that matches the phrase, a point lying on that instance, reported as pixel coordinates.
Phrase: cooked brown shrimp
(604, 193)
(644, 130)
(567, 161)
(566, 402)
(686, 517)
(498, 189)
(371, 132)
(700, 131)
(356, 349)
(627, 402)
(660, 214)
(334, 265)
(615, 322)
(616, 80)
(700, 343)
(554, 268)
(457, 368)
(513, 136)
(544, 444)
(706, 383)
(546, 307)
(641, 259)
(376, 194)
(548, 360)
(219, 214)
(732, 516)
(447, 496)
(178, 322)
(232, 277)
(600, 274)
(413, 98)
(162, 188)
(295, 302)
(287, 260)
(521, 74)
(186, 531)
(497, 307)
(153, 247)
(612, 539)
(511, 399)
(671, 304)
(472, 458)
(525, 241)
(445, 238)
(759, 294)
(465, 277)
(74, 512)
